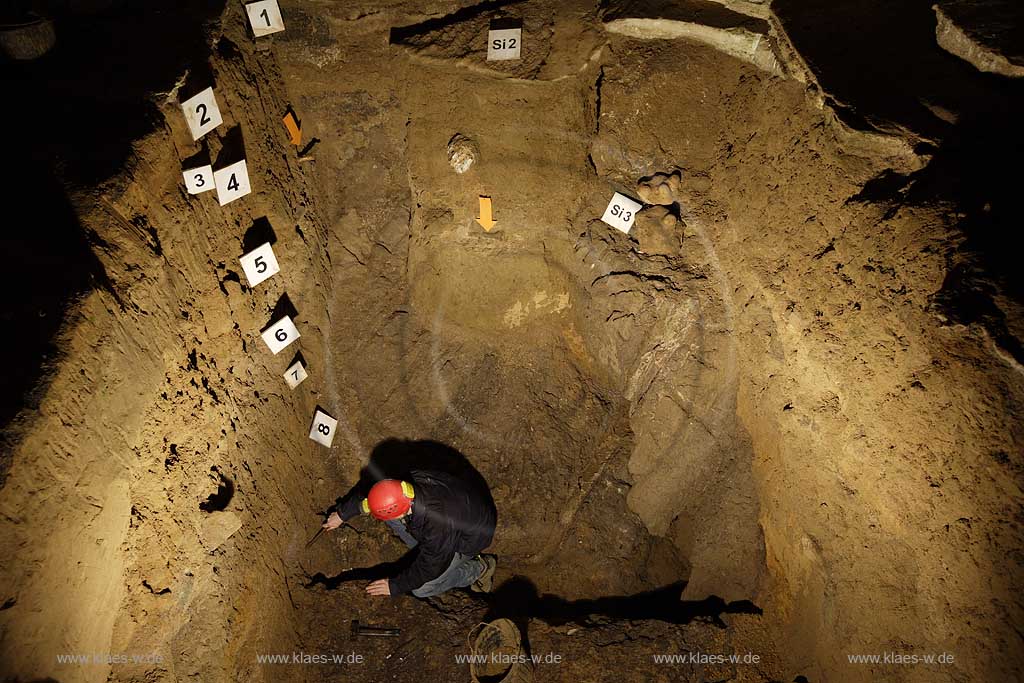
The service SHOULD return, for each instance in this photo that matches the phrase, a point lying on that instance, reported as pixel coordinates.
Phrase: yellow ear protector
(407, 491)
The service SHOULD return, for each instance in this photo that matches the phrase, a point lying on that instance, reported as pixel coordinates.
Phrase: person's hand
(379, 587)
(333, 521)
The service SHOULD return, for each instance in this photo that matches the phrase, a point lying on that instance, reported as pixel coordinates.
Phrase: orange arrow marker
(486, 221)
(293, 128)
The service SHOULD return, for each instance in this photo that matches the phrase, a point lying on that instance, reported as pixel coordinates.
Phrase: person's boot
(485, 581)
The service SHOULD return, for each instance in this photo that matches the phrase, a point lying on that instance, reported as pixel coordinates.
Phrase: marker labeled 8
(323, 429)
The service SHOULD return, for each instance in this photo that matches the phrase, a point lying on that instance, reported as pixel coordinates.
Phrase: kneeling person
(449, 520)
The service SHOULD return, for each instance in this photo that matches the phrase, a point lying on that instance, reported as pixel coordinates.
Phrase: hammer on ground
(376, 631)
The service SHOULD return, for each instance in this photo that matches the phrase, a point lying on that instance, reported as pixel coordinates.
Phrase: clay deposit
(780, 416)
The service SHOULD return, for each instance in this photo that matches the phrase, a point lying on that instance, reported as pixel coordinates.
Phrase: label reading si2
(504, 44)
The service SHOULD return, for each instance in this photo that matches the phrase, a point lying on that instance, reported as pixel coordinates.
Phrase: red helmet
(389, 499)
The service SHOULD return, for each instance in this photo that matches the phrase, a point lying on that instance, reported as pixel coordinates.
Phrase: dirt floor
(778, 421)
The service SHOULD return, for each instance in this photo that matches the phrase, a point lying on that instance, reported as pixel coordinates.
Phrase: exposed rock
(987, 33)
(737, 42)
(462, 153)
(29, 40)
(660, 188)
(159, 581)
(752, 32)
(218, 528)
(657, 231)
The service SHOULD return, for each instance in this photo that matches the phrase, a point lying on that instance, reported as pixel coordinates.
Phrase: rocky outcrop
(738, 42)
(166, 423)
(987, 33)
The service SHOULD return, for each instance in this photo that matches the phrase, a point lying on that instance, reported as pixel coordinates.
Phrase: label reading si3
(621, 212)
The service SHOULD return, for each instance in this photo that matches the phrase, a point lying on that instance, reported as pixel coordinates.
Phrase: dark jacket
(449, 515)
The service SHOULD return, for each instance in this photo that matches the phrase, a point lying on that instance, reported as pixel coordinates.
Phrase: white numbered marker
(198, 179)
(265, 17)
(621, 212)
(323, 428)
(260, 264)
(280, 334)
(295, 374)
(232, 182)
(202, 113)
(504, 44)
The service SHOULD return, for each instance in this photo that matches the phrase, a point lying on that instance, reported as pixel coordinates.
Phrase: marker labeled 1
(280, 334)
(260, 264)
(621, 212)
(323, 429)
(264, 17)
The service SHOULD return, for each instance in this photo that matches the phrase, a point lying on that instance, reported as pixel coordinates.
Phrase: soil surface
(777, 421)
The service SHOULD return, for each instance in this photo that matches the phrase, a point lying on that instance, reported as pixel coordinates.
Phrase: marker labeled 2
(323, 429)
(621, 212)
(260, 264)
(202, 113)
(280, 334)
(264, 17)
(199, 179)
(504, 44)
(232, 182)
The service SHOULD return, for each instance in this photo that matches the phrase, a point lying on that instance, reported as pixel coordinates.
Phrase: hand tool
(376, 631)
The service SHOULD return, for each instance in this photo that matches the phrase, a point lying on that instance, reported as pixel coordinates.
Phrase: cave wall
(166, 401)
(823, 404)
(880, 433)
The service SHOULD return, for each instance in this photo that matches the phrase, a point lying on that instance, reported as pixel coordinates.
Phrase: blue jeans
(462, 572)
